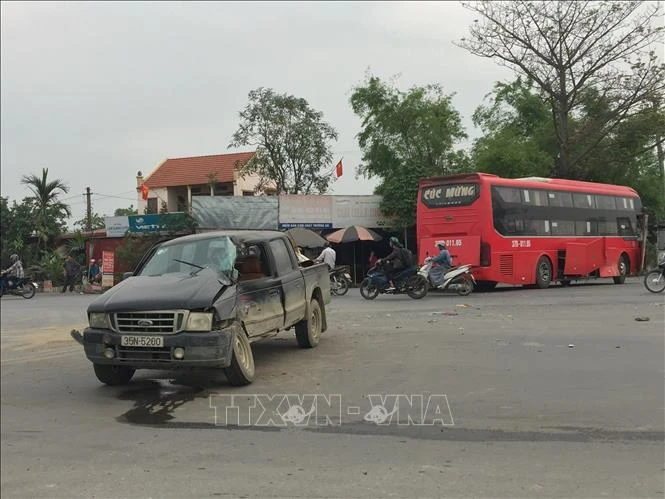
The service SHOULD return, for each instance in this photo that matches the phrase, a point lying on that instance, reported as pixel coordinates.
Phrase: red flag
(144, 191)
(338, 168)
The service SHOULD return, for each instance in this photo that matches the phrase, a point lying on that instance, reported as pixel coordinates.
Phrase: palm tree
(45, 196)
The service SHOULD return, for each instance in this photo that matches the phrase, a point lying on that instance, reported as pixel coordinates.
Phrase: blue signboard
(156, 223)
(306, 225)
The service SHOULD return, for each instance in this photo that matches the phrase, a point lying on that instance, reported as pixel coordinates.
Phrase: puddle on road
(156, 400)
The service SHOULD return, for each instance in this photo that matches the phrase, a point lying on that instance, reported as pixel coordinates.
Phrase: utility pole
(89, 209)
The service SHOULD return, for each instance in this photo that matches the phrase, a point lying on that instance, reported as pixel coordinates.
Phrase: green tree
(406, 136)
(51, 213)
(518, 137)
(569, 49)
(291, 140)
(18, 223)
(123, 212)
(518, 140)
(96, 222)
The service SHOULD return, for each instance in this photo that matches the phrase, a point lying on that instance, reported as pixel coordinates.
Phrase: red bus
(532, 231)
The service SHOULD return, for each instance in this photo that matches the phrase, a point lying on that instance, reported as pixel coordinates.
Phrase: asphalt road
(525, 393)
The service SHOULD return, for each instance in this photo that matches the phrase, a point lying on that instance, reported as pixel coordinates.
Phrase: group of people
(71, 272)
(395, 262)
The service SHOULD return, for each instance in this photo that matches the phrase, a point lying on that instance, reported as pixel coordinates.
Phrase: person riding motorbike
(444, 262)
(394, 261)
(15, 271)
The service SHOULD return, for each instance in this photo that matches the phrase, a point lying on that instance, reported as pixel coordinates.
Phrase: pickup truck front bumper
(201, 349)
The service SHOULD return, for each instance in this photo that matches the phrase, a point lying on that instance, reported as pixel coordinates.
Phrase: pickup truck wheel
(241, 370)
(308, 332)
(113, 375)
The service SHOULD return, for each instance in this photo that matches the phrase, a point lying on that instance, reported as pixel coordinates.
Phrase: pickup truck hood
(165, 292)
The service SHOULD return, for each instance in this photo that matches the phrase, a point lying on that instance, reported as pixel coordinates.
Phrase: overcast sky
(98, 91)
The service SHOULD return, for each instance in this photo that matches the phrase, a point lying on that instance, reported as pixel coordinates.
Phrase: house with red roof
(176, 180)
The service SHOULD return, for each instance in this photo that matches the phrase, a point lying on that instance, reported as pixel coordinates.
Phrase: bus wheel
(623, 270)
(543, 272)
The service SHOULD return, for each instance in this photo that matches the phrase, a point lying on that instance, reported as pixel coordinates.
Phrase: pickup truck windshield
(218, 254)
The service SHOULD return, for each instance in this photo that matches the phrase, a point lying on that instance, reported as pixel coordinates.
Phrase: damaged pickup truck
(199, 301)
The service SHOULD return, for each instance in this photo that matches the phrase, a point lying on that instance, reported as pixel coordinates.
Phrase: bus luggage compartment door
(584, 257)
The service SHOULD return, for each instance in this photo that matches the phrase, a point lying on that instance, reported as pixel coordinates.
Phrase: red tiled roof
(195, 170)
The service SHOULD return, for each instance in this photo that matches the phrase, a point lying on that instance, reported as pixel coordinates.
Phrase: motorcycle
(407, 281)
(458, 279)
(654, 281)
(339, 281)
(19, 286)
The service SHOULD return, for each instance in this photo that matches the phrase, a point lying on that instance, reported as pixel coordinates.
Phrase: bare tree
(571, 48)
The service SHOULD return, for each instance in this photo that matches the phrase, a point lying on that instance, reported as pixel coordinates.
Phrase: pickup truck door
(292, 281)
(260, 300)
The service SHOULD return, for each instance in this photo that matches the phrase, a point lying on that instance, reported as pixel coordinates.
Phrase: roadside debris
(642, 319)
(571, 346)
(464, 305)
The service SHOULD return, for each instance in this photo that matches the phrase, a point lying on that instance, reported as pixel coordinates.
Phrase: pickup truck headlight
(199, 321)
(98, 320)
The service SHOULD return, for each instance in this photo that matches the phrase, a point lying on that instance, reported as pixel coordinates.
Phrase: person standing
(71, 272)
(94, 274)
(372, 259)
(328, 255)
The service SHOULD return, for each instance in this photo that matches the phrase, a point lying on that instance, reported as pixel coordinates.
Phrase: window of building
(152, 205)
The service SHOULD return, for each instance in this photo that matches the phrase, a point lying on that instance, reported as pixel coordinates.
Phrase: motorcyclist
(443, 260)
(12, 273)
(395, 262)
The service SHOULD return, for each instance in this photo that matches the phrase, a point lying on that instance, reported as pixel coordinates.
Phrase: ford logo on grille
(144, 323)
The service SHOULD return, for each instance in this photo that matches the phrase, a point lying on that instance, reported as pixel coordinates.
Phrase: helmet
(440, 245)
(14, 257)
(394, 242)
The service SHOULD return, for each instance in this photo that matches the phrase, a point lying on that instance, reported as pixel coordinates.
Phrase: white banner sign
(358, 210)
(309, 211)
(116, 226)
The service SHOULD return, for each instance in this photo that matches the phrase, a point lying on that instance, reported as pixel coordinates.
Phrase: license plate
(142, 341)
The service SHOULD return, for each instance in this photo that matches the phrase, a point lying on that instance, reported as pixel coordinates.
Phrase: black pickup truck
(199, 301)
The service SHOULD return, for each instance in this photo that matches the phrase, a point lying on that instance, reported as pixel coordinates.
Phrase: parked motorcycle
(654, 281)
(19, 286)
(339, 281)
(408, 281)
(458, 279)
